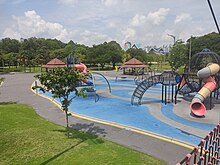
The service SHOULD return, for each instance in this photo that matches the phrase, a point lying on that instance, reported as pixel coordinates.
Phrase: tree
(126, 57)
(105, 53)
(10, 59)
(8, 45)
(210, 41)
(61, 82)
(80, 52)
(98, 54)
(139, 54)
(115, 52)
(58, 53)
(178, 55)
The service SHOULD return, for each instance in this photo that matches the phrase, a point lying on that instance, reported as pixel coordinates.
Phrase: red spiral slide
(83, 69)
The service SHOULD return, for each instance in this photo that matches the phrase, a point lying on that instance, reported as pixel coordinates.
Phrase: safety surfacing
(169, 120)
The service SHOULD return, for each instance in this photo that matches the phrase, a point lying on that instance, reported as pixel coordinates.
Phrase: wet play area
(110, 102)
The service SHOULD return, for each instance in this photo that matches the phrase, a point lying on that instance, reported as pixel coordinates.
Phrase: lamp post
(190, 51)
(174, 38)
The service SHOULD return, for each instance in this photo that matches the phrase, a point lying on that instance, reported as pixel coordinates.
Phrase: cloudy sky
(90, 22)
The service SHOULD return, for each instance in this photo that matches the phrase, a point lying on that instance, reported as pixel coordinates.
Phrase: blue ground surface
(122, 112)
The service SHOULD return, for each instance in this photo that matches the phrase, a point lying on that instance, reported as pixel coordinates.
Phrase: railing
(207, 152)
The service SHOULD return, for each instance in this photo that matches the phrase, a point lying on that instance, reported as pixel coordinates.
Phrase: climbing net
(207, 152)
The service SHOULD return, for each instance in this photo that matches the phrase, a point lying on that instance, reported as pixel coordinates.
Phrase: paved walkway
(16, 88)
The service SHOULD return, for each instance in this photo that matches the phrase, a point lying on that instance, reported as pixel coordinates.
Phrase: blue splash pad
(167, 111)
(122, 112)
(126, 114)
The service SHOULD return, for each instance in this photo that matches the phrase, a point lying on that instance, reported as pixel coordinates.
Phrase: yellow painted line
(136, 131)
(143, 132)
(46, 97)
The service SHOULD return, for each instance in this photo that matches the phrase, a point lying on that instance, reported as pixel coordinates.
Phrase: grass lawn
(26, 138)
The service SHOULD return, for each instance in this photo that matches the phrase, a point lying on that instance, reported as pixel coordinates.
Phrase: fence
(207, 152)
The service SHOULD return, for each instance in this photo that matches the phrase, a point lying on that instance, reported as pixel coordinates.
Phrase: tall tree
(210, 41)
(139, 54)
(8, 45)
(98, 55)
(115, 52)
(105, 53)
(178, 55)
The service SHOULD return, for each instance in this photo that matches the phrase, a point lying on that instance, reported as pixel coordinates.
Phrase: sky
(91, 22)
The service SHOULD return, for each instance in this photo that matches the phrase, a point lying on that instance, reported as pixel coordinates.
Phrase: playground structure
(197, 107)
(168, 79)
(83, 70)
(90, 79)
(201, 75)
(131, 67)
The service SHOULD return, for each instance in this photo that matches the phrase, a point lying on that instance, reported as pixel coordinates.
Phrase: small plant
(61, 82)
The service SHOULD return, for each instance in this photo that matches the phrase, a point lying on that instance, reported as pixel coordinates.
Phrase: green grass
(26, 138)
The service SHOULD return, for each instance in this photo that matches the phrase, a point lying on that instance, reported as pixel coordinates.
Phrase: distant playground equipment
(201, 75)
(169, 81)
(83, 70)
(90, 79)
(142, 74)
(117, 74)
(131, 67)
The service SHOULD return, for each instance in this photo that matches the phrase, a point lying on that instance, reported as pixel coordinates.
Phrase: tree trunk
(113, 65)
(102, 66)
(67, 123)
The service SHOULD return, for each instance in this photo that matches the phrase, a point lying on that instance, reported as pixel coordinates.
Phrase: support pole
(172, 93)
(165, 94)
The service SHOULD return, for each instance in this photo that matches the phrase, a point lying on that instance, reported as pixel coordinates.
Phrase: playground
(179, 109)
(130, 120)
(169, 121)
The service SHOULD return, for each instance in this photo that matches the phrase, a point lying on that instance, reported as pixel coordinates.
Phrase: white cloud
(159, 16)
(11, 34)
(109, 3)
(90, 38)
(138, 20)
(95, 21)
(128, 33)
(32, 25)
(68, 2)
(183, 18)
(155, 18)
